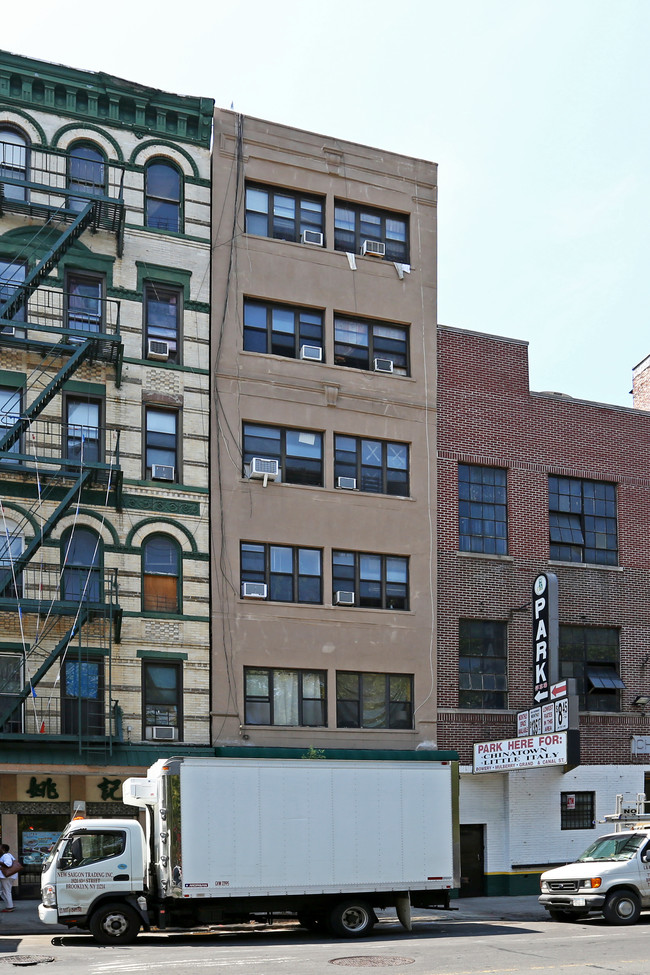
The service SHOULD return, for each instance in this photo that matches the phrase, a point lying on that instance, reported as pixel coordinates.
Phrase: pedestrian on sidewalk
(6, 883)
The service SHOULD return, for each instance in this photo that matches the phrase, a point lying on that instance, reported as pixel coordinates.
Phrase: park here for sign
(533, 751)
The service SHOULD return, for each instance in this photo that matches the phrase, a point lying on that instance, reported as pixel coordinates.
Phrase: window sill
(485, 555)
(586, 565)
(319, 487)
(328, 365)
(329, 607)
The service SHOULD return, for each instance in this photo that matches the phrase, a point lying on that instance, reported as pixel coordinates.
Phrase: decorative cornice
(104, 99)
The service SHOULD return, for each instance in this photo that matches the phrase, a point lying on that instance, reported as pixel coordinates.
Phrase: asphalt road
(490, 936)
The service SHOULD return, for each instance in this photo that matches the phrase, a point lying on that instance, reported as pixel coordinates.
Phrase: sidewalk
(25, 920)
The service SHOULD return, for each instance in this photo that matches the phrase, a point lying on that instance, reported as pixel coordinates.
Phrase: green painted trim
(162, 143)
(349, 754)
(176, 276)
(88, 127)
(163, 521)
(167, 365)
(512, 884)
(32, 121)
(13, 646)
(90, 389)
(179, 617)
(176, 235)
(73, 650)
(81, 258)
(161, 655)
(134, 502)
(32, 243)
(33, 750)
(95, 516)
(111, 101)
(25, 515)
(14, 379)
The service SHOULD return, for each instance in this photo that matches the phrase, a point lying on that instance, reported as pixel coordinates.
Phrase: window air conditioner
(344, 598)
(264, 468)
(157, 349)
(8, 330)
(349, 483)
(312, 237)
(373, 248)
(254, 590)
(160, 732)
(163, 472)
(382, 365)
(311, 352)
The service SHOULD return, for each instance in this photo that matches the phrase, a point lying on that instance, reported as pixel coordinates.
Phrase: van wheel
(352, 919)
(622, 907)
(115, 924)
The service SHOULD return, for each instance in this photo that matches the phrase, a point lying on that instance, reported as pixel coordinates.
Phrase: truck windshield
(619, 846)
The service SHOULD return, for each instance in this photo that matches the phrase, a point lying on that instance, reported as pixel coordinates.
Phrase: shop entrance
(472, 861)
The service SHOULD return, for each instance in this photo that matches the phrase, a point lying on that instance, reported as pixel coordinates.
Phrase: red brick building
(527, 483)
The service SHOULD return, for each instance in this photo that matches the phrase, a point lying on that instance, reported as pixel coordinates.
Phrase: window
(81, 557)
(482, 510)
(11, 547)
(12, 276)
(376, 581)
(591, 655)
(353, 225)
(359, 343)
(376, 465)
(298, 452)
(577, 810)
(84, 309)
(280, 329)
(10, 407)
(482, 664)
(86, 174)
(162, 694)
(582, 521)
(160, 566)
(11, 684)
(290, 698)
(162, 318)
(82, 697)
(82, 431)
(374, 700)
(292, 575)
(281, 213)
(163, 201)
(161, 444)
(82, 849)
(14, 150)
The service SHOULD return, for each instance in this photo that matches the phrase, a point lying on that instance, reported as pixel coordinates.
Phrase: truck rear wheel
(622, 907)
(115, 924)
(352, 919)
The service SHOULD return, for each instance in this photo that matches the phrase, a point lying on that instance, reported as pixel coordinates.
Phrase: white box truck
(228, 840)
(612, 876)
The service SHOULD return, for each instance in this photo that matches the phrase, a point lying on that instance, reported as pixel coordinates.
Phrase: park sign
(545, 636)
(531, 751)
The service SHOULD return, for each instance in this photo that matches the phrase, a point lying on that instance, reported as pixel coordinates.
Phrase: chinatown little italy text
(533, 751)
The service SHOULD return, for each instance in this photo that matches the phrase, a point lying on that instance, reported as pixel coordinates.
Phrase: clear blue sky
(535, 110)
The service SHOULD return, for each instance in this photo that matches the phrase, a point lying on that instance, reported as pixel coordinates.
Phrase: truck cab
(94, 877)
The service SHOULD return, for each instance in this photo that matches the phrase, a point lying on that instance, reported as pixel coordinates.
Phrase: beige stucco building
(323, 441)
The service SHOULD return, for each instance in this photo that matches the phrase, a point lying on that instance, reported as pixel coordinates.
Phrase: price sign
(535, 721)
(561, 714)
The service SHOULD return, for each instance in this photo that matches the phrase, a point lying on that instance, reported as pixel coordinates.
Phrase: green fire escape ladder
(38, 274)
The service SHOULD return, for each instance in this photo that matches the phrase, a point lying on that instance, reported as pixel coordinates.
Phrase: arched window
(163, 197)
(81, 556)
(160, 570)
(14, 150)
(11, 546)
(86, 174)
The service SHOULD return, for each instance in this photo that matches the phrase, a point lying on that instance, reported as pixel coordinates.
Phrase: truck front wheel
(115, 924)
(622, 907)
(352, 919)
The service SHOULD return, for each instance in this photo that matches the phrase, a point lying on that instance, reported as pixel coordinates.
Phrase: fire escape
(56, 461)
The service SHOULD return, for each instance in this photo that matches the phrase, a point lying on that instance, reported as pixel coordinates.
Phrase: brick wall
(487, 415)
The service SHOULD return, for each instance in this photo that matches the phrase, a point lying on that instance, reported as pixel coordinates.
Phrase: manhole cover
(26, 959)
(372, 961)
